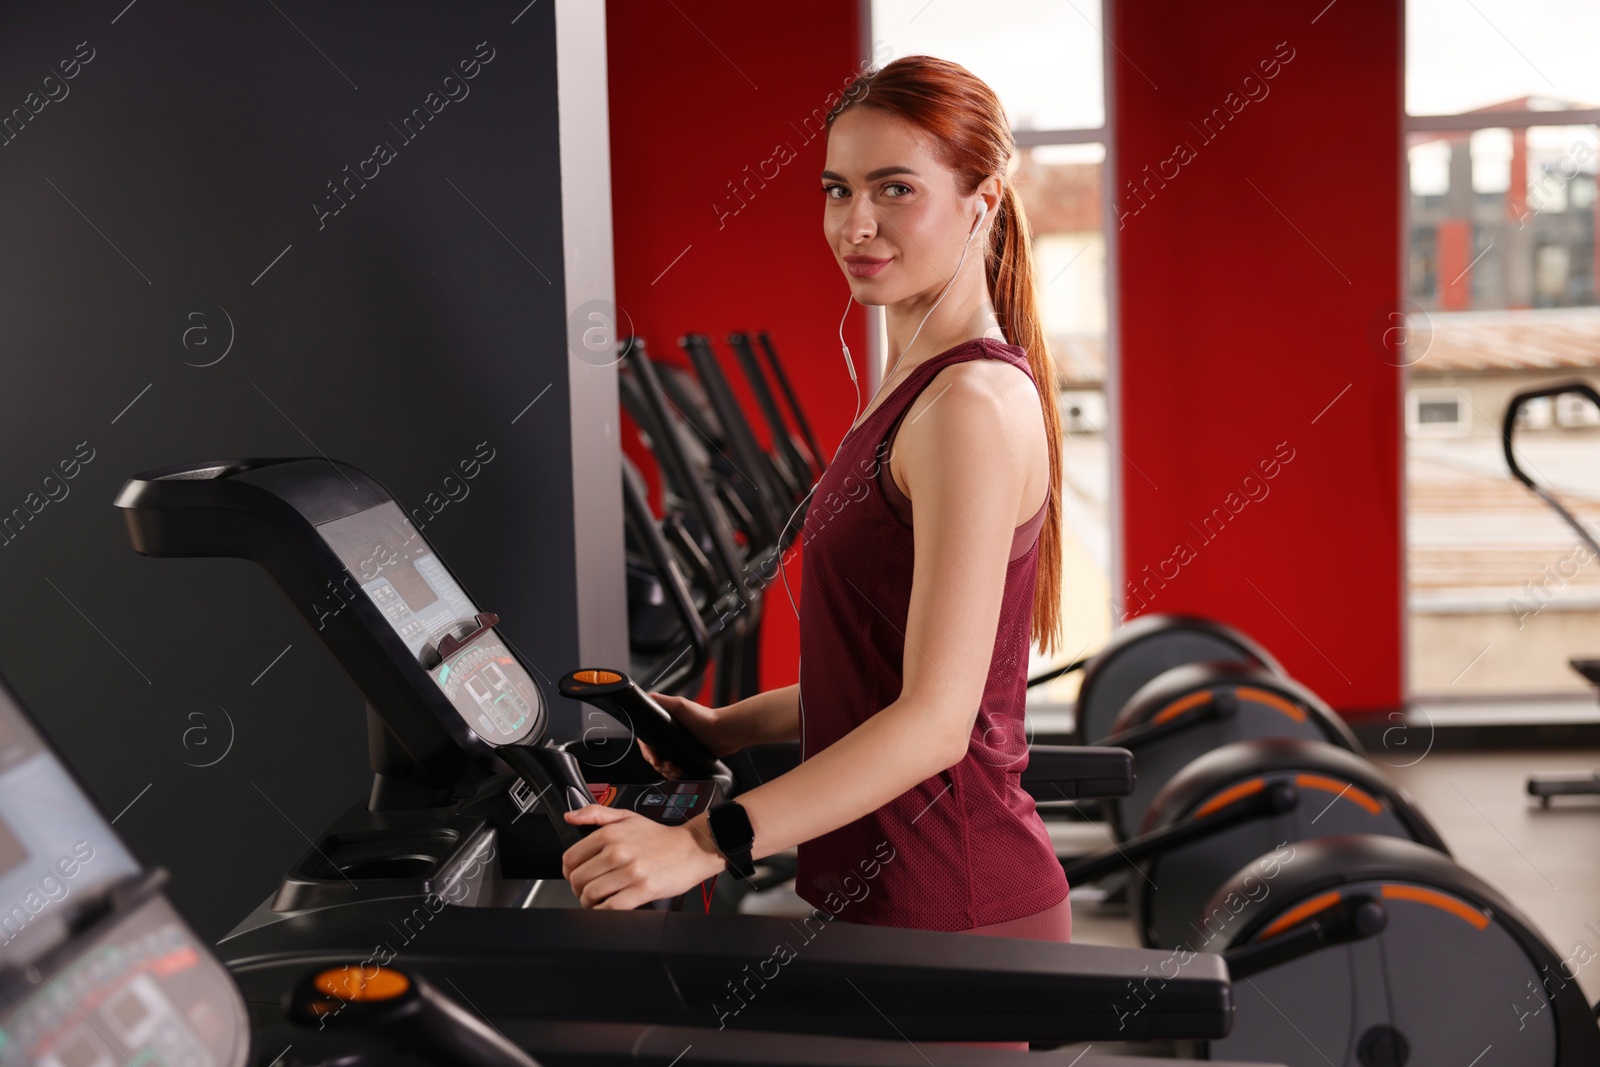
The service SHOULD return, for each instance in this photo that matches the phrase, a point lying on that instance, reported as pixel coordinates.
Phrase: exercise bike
(1546, 786)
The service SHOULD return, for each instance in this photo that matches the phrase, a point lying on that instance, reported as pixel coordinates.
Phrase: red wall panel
(1258, 155)
(716, 145)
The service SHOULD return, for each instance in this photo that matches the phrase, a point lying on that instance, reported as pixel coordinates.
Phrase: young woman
(932, 559)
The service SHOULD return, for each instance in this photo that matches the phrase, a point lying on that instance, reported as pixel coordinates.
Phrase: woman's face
(892, 214)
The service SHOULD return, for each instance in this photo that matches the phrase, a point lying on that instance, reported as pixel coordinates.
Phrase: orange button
(348, 983)
(597, 677)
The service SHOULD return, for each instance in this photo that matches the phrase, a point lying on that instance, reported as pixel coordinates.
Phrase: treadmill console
(96, 968)
(396, 613)
(422, 602)
(56, 851)
(141, 990)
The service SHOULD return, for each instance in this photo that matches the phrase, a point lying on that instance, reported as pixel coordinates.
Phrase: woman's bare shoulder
(989, 389)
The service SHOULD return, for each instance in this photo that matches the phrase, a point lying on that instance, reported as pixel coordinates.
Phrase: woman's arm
(961, 461)
(763, 719)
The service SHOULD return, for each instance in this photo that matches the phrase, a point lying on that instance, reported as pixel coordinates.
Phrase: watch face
(730, 826)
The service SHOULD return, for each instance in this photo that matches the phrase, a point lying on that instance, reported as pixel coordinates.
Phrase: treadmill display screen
(56, 850)
(144, 991)
(404, 579)
(399, 572)
(489, 688)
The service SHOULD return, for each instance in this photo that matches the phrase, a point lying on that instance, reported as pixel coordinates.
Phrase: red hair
(965, 123)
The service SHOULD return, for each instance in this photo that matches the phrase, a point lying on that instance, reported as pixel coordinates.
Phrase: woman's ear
(990, 196)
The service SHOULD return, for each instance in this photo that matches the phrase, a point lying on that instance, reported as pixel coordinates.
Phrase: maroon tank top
(966, 847)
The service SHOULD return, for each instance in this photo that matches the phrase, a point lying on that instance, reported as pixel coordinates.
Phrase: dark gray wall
(160, 212)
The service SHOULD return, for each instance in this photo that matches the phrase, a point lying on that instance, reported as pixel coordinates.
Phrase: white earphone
(849, 364)
(983, 211)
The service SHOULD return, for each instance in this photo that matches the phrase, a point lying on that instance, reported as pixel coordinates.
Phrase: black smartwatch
(733, 835)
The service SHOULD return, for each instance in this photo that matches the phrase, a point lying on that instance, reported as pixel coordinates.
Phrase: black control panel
(96, 968)
(139, 989)
(672, 802)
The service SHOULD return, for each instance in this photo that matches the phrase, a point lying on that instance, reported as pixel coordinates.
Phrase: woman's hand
(631, 860)
(708, 725)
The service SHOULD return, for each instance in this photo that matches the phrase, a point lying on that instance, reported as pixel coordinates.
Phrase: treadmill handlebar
(616, 693)
(557, 782)
(397, 1011)
(1277, 799)
(1222, 704)
(1076, 772)
(1351, 919)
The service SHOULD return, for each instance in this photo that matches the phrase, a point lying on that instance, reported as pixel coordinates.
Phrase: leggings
(1052, 924)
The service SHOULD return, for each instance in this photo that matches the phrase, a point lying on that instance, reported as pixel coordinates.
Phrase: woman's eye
(897, 185)
(828, 191)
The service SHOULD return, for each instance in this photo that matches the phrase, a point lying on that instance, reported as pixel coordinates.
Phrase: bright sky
(1463, 54)
(1043, 56)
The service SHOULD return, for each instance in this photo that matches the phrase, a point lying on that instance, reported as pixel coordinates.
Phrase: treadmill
(448, 861)
(97, 968)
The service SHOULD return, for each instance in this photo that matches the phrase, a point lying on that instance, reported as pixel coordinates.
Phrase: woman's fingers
(597, 890)
(589, 846)
(598, 815)
(666, 768)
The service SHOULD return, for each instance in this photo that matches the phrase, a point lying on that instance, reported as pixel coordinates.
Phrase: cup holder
(391, 867)
(401, 852)
(369, 855)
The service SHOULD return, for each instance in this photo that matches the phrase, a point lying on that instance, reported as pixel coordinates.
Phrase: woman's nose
(860, 224)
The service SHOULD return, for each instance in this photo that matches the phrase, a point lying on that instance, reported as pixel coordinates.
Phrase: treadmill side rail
(675, 968)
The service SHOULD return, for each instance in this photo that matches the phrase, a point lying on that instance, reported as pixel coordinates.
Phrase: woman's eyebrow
(881, 172)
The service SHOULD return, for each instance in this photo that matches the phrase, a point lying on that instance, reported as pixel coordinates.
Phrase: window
(1051, 82)
(1084, 411)
(1574, 411)
(1048, 78)
(1501, 216)
(1502, 100)
(1462, 57)
(1436, 413)
(1536, 414)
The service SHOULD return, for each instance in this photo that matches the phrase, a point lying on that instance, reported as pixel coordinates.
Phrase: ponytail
(1011, 289)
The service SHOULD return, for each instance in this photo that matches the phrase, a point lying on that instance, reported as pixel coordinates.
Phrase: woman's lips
(864, 266)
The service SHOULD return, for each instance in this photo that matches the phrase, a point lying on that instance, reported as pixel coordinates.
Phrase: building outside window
(1051, 82)
(1502, 99)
